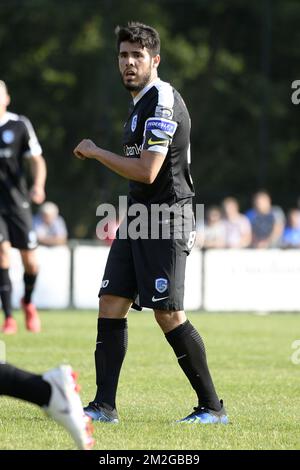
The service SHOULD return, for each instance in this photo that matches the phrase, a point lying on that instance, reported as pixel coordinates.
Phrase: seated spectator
(280, 221)
(50, 227)
(262, 221)
(291, 234)
(237, 226)
(214, 229)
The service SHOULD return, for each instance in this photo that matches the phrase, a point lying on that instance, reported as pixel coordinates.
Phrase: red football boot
(32, 320)
(9, 326)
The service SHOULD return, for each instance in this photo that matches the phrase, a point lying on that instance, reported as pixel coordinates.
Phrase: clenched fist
(85, 149)
(37, 194)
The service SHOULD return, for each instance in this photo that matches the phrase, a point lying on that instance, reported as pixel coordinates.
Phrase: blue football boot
(101, 412)
(202, 415)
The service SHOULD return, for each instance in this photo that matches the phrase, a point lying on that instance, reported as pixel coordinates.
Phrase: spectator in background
(237, 226)
(263, 221)
(214, 229)
(280, 221)
(291, 235)
(50, 227)
(258, 215)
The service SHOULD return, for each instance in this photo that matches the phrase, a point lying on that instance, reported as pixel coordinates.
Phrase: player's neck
(3, 111)
(136, 93)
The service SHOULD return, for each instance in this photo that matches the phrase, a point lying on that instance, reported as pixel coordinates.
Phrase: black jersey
(160, 122)
(17, 141)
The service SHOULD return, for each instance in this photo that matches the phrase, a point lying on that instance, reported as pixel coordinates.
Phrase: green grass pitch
(249, 358)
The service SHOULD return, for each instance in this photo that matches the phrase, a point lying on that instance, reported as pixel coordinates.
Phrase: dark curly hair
(144, 35)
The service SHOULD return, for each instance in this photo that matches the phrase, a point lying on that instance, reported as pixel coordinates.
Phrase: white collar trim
(144, 90)
(4, 119)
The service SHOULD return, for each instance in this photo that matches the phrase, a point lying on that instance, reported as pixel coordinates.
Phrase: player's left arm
(33, 152)
(39, 173)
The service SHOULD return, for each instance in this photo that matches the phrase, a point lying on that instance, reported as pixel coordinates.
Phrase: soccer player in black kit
(18, 142)
(149, 272)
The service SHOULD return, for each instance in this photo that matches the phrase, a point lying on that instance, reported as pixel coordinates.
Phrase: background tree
(232, 61)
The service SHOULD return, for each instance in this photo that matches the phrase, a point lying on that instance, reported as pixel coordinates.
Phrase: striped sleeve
(160, 128)
(32, 146)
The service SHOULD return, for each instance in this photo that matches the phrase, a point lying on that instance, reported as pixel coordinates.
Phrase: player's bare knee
(111, 306)
(168, 319)
(104, 305)
(4, 254)
(31, 268)
(29, 261)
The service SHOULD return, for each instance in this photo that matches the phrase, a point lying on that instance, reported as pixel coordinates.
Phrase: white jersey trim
(144, 91)
(8, 117)
(159, 149)
(34, 146)
(165, 95)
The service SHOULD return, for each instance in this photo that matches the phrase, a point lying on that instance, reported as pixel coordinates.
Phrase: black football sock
(5, 292)
(21, 384)
(29, 281)
(190, 352)
(111, 347)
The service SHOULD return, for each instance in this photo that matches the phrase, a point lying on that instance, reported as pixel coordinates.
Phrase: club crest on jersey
(134, 123)
(8, 136)
(161, 284)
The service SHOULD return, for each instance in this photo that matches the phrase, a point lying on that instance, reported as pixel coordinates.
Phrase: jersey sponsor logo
(104, 283)
(155, 299)
(8, 136)
(161, 124)
(157, 142)
(134, 123)
(161, 284)
(161, 111)
(132, 150)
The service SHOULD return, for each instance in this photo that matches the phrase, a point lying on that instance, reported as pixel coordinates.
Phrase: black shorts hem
(116, 293)
(168, 307)
(154, 306)
(21, 247)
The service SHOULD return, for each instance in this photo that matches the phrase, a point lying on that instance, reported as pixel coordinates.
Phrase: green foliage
(232, 61)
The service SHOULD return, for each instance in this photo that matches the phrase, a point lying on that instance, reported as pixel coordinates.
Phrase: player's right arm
(143, 169)
(158, 134)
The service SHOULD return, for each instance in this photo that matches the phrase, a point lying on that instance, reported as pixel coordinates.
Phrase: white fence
(252, 280)
(53, 283)
(218, 280)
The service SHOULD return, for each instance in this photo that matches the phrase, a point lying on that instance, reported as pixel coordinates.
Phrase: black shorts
(16, 227)
(151, 272)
